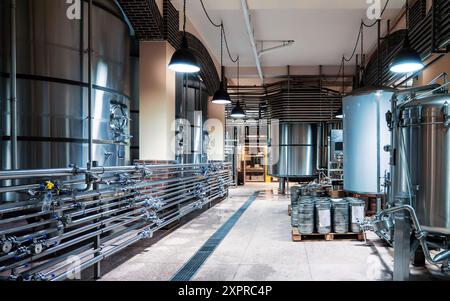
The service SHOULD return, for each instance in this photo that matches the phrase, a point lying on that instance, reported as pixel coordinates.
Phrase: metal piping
(137, 201)
(90, 86)
(249, 28)
(13, 87)
(420, 234)
(267, 50)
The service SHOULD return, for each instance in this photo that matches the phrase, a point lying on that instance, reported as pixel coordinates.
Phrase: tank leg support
(402, 236)
(97, 268)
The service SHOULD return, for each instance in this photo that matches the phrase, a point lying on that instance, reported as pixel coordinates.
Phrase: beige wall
(440, 66)
(157, 101)
(215, 125)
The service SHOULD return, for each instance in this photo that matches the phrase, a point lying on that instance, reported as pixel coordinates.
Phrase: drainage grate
(191, 267)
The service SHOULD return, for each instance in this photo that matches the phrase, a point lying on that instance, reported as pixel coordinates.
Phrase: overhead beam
(251, 36)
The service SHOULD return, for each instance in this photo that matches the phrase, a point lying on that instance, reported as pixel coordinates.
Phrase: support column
(215, 126)
(157, 102)
(402, 241)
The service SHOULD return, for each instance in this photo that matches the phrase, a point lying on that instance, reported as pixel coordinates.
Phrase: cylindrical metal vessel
(423, 160)
(306, 215)
(340, 215)
(323, 215)
(295, 193)
(294, 215)
(52, 98)
(293, 150)
(357, 213)
(365, 134)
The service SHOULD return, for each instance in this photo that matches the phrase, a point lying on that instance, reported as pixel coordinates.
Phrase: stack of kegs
(295, 192)
(306, 215)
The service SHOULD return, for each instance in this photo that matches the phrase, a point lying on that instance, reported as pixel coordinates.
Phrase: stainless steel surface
(323, 215)
(340, 215)
(365, 135)
(357, 213)
(423, 160)
(129, 204)
(306, 215)
(13, 86)
(53, 109)
(293, 150)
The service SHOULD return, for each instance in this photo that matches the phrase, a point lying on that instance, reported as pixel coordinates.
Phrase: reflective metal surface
(52, 94)
(365, 135)
(46, 226)
(423, 169)
(293, 150)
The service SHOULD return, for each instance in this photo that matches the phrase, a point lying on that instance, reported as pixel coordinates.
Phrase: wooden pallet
(296, 236)
(289, 210)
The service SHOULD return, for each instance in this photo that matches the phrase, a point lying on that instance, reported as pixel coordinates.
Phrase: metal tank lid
(371, 89)
(429, 101)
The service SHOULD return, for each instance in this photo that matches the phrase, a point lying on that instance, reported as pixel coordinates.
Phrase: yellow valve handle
(49, 185)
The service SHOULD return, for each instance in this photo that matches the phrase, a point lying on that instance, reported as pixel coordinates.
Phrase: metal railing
(52, 229)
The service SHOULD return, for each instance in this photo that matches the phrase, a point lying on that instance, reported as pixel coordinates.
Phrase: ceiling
(323, 30)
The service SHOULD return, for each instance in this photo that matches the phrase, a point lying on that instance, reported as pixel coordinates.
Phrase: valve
(446, 113)
(389, 119)
(147, 233)
(6, 244)
(66, 219)
(38, 277)
(36, 248)
(154, 203)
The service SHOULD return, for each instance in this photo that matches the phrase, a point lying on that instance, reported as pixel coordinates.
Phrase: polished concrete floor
(259, 247)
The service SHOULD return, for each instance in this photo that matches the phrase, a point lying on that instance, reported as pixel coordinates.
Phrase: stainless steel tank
(365, 135)
(293, 150)
(423, 157)
(52, 99)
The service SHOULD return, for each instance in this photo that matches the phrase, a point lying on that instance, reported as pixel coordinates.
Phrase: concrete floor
(259, 247)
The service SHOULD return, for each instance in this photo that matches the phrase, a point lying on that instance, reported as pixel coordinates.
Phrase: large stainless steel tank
(423, 160)
(293, 150)
(52, 90)
(365, 134)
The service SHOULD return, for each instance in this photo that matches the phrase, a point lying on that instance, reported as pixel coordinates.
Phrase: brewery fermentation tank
(423, 155)
(52, 85)
(293, 150)
(365, 135)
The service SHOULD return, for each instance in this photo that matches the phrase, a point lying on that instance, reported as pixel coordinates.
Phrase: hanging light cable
(183, 60)
(407, 59)
(238, 111)
(221, 96)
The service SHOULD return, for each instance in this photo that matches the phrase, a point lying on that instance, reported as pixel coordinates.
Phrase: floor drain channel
(191, 267)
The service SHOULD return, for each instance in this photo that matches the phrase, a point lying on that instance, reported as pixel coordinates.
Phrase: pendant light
(221, 96)
(183, 60)
(238, 111)
(407, 59)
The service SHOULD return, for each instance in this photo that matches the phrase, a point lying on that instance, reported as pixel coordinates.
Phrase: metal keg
(357, 213)
(295, 192)
(323, 215)
(306, 215)
(294, 215)
(304, 190)
(340, 215)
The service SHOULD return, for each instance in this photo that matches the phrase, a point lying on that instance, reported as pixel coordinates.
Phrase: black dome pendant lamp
(183, 60)
(238, 111)
(407, 59)
(221, 96)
